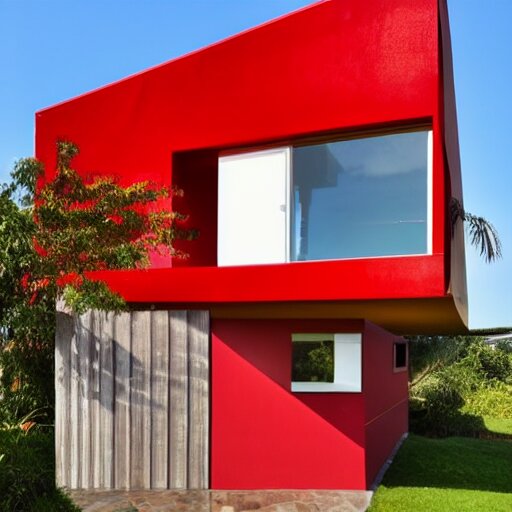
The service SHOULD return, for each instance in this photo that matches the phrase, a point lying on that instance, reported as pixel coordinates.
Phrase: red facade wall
(336, 67)
(333, 69)
(385, 397)
(265, 436)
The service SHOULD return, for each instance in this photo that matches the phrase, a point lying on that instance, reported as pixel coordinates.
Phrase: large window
(323, 362)
(358, 198)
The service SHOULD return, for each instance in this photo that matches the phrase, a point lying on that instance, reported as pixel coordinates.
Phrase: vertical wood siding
(132, 400)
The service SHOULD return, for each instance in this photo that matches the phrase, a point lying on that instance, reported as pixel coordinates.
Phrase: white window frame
(348, 363)
(225, 248)
(430, 193)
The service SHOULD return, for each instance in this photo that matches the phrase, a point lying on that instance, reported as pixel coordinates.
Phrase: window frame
(289, 186)
(343, 343)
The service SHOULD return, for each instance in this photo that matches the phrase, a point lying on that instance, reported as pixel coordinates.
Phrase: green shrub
(456, 423)
(26, 383)
(455, 383)
(462, 377)
(27, 472)
(441, 396)
(505, 346)
(494, 399)
(313, 361)
(436, 405)
(487, 362)
(54, 502)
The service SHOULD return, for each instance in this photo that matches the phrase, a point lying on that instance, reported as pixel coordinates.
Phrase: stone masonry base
(222, 501)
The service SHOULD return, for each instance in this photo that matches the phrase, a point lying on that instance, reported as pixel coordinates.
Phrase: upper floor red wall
(336, 67)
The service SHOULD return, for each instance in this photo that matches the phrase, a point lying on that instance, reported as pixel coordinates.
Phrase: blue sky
(52, 50)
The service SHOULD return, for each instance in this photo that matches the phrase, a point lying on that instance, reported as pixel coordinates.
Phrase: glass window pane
(360, 198)
(313, 361)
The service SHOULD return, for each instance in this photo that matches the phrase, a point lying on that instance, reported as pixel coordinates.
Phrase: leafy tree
(430, 354)
(81, 227)
(26, 330)
(488, 363)
(51, 236)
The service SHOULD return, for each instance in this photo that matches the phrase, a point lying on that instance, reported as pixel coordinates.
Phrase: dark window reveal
(400, 355)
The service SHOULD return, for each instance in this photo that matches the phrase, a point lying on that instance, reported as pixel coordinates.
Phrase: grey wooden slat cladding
(132, 400)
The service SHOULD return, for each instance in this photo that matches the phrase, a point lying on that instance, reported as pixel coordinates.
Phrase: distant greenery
(455, 382)
(448, 475)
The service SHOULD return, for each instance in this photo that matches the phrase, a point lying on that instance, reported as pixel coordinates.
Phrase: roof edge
(184, 56)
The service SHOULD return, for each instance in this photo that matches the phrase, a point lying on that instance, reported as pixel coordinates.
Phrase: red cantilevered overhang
(416, 303)
(335, 68)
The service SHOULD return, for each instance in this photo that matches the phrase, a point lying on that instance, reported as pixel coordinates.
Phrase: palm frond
(482, 234)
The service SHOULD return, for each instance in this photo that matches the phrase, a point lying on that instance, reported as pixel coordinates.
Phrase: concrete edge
(385, 466)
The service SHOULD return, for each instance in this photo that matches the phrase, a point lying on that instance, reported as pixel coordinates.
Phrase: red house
(319, 155)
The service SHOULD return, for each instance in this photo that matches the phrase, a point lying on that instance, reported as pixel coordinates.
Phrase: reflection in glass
(360, 198)
(313, 361)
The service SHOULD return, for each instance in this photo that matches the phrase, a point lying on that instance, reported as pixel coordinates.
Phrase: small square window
(400, 357)
(326, 362)
(313, 361)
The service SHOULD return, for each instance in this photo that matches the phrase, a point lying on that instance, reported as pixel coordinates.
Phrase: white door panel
(253, 220)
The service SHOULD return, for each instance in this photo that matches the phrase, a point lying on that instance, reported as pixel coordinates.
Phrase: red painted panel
(384, 388)
(264, 436)
(338, 66)
(330, 280)
(455, 261)
(382, 435)
(386, 398)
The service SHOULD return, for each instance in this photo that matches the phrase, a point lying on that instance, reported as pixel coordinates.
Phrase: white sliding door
(253, 197)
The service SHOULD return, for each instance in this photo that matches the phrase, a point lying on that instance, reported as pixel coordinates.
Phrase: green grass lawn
(452, 474)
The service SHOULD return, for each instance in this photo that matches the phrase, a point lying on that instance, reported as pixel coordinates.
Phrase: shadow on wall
(132, 399)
